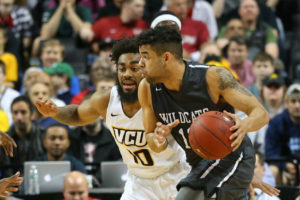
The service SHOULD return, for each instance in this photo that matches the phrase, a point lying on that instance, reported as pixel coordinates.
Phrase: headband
(166, 17)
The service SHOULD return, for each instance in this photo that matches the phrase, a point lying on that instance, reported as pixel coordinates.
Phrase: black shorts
(227, 178)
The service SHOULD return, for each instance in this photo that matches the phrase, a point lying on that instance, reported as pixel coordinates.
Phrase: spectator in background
(212, 55)
(52, 51)
(30, 76)
(56, 143)
(4, 122)
(229, 8)
(27, 135)
(19, 20)
(40, 90)
(94, 6)
(272, 94)
(7, 94)
(261, 36)
(61, 75)
(105, 83)
(100, 82)
(194, 33)
(104, 48)
(283, 136)
(112, 8)
(76, 187)
(272, 97)
(128, 23)
(10, 61)
(237, 53)
(263, 172)
(47, 80)
(33, 75)
(202, 11)
(233, 27)
(66, 20)
(263, 66)
(93, 143)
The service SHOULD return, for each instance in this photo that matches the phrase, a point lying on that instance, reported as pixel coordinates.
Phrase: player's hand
(7, 143)
(264, 187)
(239, 130)
(162, 131)
(10, 184)
(46, 107)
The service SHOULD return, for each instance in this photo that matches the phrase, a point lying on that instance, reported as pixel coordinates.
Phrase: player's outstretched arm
(222, 86)
(156, 142)
(76, 115)
(10, 184)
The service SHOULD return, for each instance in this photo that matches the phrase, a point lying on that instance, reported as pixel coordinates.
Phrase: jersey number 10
(143, 156)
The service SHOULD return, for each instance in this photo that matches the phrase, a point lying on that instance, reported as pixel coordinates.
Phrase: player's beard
(130, 97)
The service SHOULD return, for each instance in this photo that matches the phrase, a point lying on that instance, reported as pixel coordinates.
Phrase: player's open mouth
(128, 85)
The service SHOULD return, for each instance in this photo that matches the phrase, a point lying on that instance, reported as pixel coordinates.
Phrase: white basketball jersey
(130, 137)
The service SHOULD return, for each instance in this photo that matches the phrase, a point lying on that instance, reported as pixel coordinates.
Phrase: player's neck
(130, 109)
(175, 76)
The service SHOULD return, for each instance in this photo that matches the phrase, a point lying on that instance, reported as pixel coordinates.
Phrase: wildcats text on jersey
(184, 117)
(130, 137)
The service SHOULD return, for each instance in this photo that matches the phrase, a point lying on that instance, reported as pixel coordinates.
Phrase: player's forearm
(68, 115)
(153, 146)
(257, 118)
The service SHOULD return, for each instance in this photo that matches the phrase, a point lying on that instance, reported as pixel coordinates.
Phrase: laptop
(114, 174)
(51, 175)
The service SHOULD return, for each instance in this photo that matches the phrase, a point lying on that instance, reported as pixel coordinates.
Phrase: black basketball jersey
(190, 101)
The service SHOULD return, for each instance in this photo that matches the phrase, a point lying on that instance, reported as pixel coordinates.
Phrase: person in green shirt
(67, 19)
(261, 36)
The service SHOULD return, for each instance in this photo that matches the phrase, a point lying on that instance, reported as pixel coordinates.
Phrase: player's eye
(135, 69)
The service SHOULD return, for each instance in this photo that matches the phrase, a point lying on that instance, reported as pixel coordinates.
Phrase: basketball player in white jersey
(151, 175)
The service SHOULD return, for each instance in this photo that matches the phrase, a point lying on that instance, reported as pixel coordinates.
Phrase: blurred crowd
(60, 50)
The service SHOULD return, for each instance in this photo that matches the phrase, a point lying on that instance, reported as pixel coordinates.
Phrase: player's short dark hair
(162, 39)
(3, 67)
(24, 99)
(126, 45)
(263, 56)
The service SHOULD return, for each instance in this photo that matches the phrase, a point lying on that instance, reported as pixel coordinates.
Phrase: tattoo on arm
(68, 115)
(226, 80)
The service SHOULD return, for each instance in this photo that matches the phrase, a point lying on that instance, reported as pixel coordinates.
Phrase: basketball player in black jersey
(175, 92)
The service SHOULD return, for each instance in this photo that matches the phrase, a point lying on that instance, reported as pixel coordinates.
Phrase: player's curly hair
(126, 45)
(162, 39)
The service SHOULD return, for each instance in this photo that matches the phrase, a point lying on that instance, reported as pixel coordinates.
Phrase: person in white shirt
(259, 171)
(7, 94)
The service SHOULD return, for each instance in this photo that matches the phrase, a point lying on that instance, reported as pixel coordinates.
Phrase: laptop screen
(51, 175)
(114, 174)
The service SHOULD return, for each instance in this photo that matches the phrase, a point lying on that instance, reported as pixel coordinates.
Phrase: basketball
(209, 135)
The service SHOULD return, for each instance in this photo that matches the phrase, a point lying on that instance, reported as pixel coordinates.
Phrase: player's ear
(166, 56)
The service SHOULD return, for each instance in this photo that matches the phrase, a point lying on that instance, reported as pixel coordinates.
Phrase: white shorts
(160, 188)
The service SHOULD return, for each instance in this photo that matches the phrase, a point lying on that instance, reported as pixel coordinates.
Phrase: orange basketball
(209, 135)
